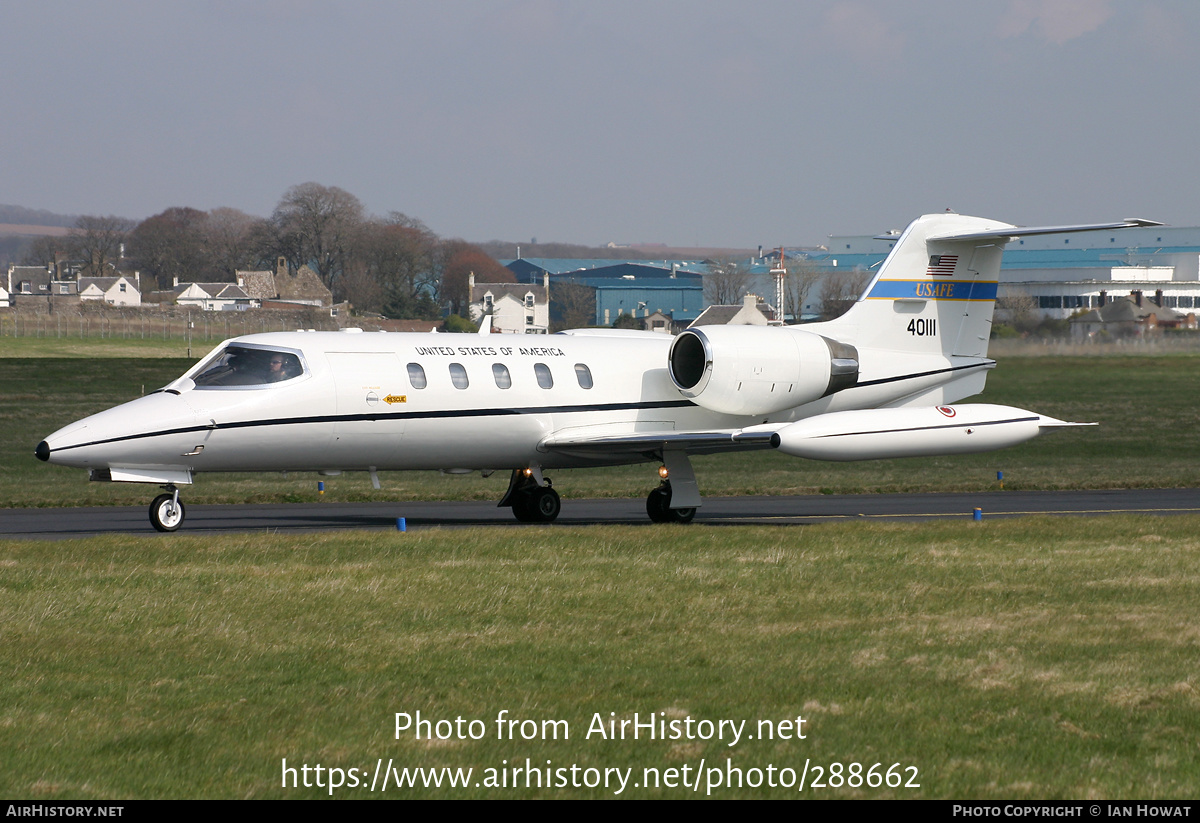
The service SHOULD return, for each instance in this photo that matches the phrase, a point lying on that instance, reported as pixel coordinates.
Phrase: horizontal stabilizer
(1029, 231)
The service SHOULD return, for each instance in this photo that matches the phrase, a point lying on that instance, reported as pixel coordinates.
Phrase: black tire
(161, 515)
(658, 506)
(544, 505)
(521, 508)
(537, 505)
(682, 515)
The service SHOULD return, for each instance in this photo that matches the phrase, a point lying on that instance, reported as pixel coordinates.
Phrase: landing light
(662, 472)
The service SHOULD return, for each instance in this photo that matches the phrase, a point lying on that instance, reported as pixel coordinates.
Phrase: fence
(1148, 345)
(155, 323)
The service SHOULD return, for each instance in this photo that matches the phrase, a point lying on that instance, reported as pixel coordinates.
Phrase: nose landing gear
(166, 512)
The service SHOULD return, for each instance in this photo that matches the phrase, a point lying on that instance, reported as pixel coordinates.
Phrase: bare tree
(170, 245)
(572, 305)
(801, 289)
(726, 281)
(96, 242)
(460, 259)
(1018, 309)
(234, 240)
(46, 251)
(841, 290)
(396, 268)
(318, 226)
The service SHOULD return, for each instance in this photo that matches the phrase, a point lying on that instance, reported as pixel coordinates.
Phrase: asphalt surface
(716, 511)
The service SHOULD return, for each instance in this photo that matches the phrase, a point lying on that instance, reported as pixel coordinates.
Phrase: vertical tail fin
(936, 290)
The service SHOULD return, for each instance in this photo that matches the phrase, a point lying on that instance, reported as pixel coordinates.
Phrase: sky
(686, 122)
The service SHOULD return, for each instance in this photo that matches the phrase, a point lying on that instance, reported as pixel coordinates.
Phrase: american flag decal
(942, 265)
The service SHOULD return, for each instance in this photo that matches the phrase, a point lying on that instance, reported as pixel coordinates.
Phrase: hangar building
(1067, 273)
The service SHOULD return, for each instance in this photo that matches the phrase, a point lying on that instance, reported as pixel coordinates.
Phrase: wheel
(544, 505)
(521, 508)
(682, 515)
(539, 504)
(163, 515)
(658, 506)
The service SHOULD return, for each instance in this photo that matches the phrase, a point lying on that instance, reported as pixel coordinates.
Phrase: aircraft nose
(42, 452)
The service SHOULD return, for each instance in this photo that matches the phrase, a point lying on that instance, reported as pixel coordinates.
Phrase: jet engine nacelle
(755, 370)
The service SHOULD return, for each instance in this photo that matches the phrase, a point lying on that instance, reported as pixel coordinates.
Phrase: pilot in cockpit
(282, 367)
(275, 369)
(241, 366)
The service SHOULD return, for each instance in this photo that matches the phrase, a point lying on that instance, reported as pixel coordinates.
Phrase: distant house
(1132, 316)
(115, 291)
(282, 289)
(516, 308)
(754, 311)
(25, 282)
(659, 322)
(213, 296)
(259, 285)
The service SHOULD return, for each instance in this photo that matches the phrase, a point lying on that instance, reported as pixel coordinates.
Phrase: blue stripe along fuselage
(932, 290)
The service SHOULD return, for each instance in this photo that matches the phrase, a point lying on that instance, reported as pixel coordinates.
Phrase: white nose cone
(876, 434)
(152, 430)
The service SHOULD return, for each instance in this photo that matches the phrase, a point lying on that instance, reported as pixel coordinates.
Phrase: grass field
(1035, 658)
(1148, 437)
(1028, 659)
(101, 348)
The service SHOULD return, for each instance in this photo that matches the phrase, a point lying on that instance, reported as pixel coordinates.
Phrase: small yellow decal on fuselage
(395, 398)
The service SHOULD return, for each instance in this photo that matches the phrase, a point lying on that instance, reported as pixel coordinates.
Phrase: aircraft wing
(654, 443)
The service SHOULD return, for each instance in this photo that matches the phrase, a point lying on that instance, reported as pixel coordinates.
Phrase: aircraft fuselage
(420, 401)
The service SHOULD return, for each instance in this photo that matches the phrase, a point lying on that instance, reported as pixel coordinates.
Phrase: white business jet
(881, 381)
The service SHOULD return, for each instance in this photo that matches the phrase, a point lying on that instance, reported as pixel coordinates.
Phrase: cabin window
(245, 366)
(503, 378)
(416, 376)
(584, 375)
(544, 378)
(458, 376)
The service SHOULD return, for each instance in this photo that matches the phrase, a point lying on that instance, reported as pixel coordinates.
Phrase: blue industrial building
(638, 287)
(1066, 273)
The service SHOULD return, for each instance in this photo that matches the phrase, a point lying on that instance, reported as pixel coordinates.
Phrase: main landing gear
(533, 500)
(166, 512)
(531, 496)
(658, 506)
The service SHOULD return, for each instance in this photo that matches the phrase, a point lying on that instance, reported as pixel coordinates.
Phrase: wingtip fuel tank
(877, 434)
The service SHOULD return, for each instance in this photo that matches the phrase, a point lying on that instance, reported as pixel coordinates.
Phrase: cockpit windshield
(244, 366)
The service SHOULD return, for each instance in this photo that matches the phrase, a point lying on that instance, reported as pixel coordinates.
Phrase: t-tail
(936, 291)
